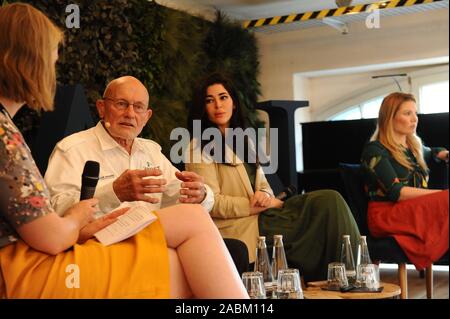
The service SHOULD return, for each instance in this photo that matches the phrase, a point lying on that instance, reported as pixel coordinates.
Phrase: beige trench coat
(232, 193)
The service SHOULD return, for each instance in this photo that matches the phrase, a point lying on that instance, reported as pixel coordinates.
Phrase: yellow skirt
(135, 268)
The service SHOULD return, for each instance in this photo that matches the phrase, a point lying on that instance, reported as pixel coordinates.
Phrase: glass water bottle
(262, 263)
(278, 256)
(347, 259)
(363, 256)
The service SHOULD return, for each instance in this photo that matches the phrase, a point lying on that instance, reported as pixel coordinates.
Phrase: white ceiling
(253, 9)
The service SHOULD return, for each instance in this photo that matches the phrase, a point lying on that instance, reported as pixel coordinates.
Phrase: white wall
(408, 37)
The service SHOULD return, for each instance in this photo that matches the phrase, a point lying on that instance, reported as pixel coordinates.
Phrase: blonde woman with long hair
(396, 175)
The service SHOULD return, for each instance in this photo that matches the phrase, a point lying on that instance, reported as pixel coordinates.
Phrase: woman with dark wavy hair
(312, 224)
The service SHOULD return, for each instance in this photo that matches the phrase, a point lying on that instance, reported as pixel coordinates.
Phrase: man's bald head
(127, 80)
(124, 123)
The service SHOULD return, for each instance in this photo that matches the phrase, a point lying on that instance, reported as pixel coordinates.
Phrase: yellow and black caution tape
(326, 13)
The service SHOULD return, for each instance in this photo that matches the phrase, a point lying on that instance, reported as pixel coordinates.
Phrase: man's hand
(132, 185)
(193, 187)
(90, 229)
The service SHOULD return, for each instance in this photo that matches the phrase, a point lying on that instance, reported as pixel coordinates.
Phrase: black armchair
(381, 249)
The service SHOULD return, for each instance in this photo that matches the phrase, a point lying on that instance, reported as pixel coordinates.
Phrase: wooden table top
(314, 291)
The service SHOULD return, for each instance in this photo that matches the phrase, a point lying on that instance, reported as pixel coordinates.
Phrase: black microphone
(287, 192)
(89, 179)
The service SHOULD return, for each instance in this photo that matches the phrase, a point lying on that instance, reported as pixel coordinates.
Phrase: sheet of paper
(127, 225)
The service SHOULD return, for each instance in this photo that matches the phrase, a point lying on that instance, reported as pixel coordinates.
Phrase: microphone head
(90, 173)
(89, 179)
(91, 169)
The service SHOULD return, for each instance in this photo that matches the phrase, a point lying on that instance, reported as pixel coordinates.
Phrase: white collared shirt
(66, 164)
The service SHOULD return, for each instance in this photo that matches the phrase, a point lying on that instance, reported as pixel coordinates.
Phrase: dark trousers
(239, 252)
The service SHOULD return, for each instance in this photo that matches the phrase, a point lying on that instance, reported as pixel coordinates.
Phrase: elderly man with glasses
(132, 170)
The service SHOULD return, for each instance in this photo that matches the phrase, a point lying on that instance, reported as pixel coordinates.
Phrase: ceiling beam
(332, 13)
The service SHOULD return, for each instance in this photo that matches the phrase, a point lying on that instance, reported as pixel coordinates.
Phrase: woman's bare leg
(179, 287)
(207, 265)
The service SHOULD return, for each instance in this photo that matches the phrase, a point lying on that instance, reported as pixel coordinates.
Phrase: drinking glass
(337, 278)
(254, 283)
(288, 284)
(148, 167)
(367, 276)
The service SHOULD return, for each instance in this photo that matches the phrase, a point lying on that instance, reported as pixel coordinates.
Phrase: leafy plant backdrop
(167, 50)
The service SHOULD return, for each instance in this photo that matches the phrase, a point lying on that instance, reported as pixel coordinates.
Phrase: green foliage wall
(167, 50)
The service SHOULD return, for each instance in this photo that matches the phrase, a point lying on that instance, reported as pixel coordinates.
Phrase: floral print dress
(23, 194)
(105, 271)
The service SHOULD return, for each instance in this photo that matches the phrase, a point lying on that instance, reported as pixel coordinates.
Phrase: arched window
(434, 97)
(430, 85)
(365, 110)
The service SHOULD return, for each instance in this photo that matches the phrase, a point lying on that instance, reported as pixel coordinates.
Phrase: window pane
(350, 114)
(434, 98)
(371, 108)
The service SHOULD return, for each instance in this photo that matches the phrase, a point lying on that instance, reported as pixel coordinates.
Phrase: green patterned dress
(384, 176)
(419, 224)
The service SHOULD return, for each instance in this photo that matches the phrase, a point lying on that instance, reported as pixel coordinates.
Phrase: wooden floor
(416, 285)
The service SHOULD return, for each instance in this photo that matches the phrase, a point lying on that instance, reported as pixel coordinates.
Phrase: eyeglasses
(124, 104)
